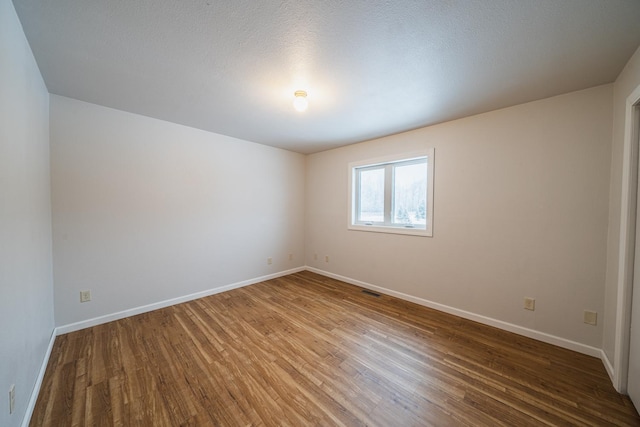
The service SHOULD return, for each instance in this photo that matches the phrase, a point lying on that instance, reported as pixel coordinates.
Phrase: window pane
(371, 195)
(409, 191)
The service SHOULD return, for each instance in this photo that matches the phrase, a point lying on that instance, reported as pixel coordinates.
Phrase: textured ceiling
(371, 68)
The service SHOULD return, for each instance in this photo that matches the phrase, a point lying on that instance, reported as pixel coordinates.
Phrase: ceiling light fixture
(300, 102)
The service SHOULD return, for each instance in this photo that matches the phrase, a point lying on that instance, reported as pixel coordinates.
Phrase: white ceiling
(371, 68)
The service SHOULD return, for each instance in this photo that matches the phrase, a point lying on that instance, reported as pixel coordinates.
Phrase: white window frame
(387, 162)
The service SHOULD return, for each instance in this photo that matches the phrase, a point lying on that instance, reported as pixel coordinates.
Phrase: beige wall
(26, 288)
(627, 81)
(146, 210)
(521, 206)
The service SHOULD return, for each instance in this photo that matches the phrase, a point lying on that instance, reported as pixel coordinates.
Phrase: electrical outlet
(269, 261)
(530, 304)
(12, 398)
(315, 257)
(85, 296)
(326, 258)
(590, 317)
(290, 257)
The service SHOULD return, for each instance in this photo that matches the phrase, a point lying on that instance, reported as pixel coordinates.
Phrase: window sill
(391, 230)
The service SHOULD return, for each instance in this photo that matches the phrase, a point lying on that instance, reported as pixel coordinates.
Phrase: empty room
(290, 213)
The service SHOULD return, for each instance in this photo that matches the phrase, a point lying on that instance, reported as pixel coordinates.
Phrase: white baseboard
(510, 327)
(530, 333)
(166, 303)
(60, 330)
(607, 365)
(36, 387)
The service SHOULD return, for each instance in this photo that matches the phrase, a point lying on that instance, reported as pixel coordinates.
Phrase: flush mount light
(300, 101)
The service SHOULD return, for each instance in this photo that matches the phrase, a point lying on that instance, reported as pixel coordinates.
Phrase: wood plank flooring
(308, 350)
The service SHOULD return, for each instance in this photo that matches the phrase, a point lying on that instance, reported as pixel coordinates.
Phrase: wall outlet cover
(12, 398)
(85, 296)
(530, 304)
(590, 317)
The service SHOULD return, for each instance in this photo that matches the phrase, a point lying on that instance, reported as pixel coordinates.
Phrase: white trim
(540, 336)
(352, 225)
(36, 387)
(607, 364)
(166, 303)
(627, 246)
(510, 327)
(60, 330)
(391, 230)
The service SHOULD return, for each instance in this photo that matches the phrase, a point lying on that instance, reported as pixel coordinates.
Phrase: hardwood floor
(308, 350)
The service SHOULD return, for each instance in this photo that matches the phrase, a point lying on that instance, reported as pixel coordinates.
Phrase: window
(392, 194)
